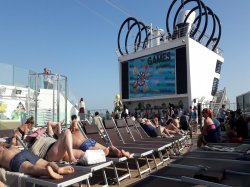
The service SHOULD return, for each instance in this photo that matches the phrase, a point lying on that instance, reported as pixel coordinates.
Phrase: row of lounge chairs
(124, 134)
(218, 165)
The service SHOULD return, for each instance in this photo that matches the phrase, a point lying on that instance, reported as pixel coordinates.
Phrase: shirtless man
(54, 129)
(56, 150)
(14, 160)
(52, 149)
(80, 142)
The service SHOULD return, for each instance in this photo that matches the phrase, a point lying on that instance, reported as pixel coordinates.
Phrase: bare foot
(66, 170)
(53, 174)
(127, 154)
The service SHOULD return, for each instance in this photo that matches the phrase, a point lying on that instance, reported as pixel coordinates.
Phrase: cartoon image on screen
(140, 83)
(152, 75)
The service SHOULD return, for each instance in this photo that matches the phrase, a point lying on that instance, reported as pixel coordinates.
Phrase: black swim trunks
(21, 157)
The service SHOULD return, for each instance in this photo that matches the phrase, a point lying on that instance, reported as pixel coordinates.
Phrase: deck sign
(153, 75)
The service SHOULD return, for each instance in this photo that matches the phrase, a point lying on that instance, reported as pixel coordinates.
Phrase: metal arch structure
(200, 12)
(147, 34)
(206, 19)
(219, 34)
(182, 5)
(210, 12)
(215, 20)
(203, 10)
(127, 21)
(138, 39)
(207, 11)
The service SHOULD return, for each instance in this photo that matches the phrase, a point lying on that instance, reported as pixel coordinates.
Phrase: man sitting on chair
(15, 160)
(80, 142)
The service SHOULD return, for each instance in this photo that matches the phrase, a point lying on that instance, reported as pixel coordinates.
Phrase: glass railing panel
(6, 75)
(21, 76)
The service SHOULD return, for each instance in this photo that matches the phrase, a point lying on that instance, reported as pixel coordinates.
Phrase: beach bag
(92, 157)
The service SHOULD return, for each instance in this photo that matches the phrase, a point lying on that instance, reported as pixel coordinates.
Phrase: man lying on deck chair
(15, 160)
(80, 142)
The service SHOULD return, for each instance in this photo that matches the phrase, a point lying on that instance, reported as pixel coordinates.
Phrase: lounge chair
(176, 141)
(139, 152)
(228, 172)
(77, 177)
(215, 154)
(20, 179)
(93, 132)
(130, 135)
(86, 169)
(183, 181)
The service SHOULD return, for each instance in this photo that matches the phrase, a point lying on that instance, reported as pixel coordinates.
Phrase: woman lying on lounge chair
(13, 159)
(155, 130)
(80, 142)
(173, 125)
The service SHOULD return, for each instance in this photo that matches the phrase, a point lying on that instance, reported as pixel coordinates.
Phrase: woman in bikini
(208, 133)
(22, 131)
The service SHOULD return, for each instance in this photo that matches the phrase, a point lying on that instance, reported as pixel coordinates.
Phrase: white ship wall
(202, 63)
(9, 101)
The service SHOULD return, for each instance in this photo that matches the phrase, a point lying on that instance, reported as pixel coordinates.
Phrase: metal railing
(13, 78)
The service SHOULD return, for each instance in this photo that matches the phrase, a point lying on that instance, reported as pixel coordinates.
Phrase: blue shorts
(87, 144)
(20, 158)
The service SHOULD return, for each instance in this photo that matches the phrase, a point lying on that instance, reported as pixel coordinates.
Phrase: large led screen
(153, 75)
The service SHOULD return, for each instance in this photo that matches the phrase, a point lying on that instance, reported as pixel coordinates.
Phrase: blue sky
(78, 38)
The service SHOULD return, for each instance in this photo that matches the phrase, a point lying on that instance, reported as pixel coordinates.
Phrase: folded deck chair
(227, 147)
(183, 173)
(215, 154)
(130, 135)
(92, 131)
(153, 180)
(228, 172)
(139, 152)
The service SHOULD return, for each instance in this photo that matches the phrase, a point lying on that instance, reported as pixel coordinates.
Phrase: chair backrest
(109, 124)
(124, 131)
(112, 132)
(141, 131)
(134, 131)
(92, 131)
(7, 133)
(130, 122)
